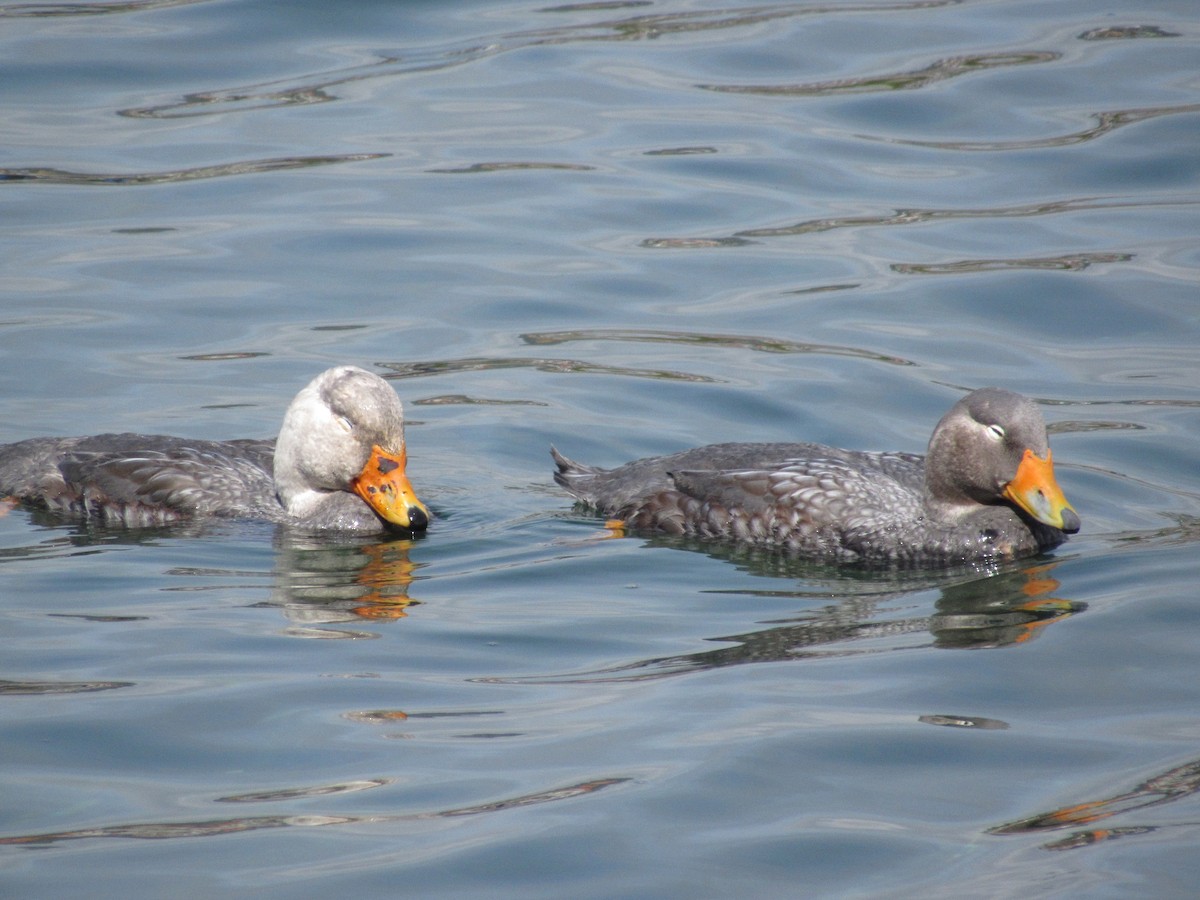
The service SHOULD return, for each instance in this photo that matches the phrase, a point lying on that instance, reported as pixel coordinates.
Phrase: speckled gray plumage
(141, 480)
(839, 505)
(138, 479)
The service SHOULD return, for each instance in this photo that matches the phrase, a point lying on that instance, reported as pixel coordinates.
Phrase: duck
(985, 490)
(338, 464)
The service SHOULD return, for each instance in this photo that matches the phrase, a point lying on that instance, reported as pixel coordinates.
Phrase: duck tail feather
(574, 476)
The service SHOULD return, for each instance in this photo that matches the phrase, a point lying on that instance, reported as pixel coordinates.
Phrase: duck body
(985, 490)
(338, 464)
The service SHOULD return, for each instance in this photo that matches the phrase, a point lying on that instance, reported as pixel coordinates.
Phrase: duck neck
(296, 497)
(941, 497)
(294, 484)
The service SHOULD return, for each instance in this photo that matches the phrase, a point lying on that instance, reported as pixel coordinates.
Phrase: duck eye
(346, 424)
(996, 432)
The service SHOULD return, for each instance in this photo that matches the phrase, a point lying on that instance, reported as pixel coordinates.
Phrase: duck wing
(845, 490)
(142, 480)
(610, 490)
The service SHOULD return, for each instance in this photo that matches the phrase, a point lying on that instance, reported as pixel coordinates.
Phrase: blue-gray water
(624, 228)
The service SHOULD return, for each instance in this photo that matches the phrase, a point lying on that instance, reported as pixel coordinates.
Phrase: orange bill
(1035, 491)
(385, 486)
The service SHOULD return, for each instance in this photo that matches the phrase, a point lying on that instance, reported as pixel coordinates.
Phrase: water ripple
(243, 167)
(543, 364)
(478, 168)
(1073, 262)
(316, 87)
(210, 828)
(734, 341)
(1126, 32)
(60, 687)
(925, 216)
(1105, 122)
(465, 400)
(942, 70)
(311, 89)
(319, 790)
(50, 10)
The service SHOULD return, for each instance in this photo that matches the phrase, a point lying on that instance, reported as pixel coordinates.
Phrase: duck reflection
(319, 579)
(1173, 784)
(998, 610)
(322, 582)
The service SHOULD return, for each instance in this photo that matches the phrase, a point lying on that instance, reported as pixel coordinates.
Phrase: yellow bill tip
(1035, 490)
(384, 485)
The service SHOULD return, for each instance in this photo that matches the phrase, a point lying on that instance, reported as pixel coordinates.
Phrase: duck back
(136, 479)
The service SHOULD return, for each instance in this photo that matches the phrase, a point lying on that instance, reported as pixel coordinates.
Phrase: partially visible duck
(338, 464)
(985, 490)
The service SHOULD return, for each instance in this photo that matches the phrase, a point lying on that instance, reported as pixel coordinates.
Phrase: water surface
(622, 228)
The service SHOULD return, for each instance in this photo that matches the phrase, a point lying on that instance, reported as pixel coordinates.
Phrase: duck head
(345, 432)
(990, 448)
